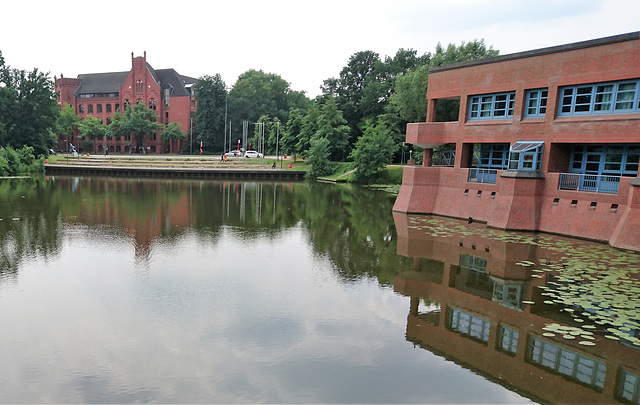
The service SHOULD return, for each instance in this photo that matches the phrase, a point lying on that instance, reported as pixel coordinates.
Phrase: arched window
(152, 104)
(139, 86)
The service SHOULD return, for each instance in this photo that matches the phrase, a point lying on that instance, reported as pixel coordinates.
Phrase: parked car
(253, 154)
(232, 154)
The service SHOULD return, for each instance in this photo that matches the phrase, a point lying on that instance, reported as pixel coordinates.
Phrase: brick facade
(534, 200)
(100, 95)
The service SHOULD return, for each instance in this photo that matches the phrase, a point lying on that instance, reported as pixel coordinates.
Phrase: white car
(232, 154)
(253, 154)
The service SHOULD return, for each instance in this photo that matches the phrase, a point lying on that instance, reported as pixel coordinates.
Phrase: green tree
(211, 95)
(292, 131)
(333, 126)
(256, 93)
(464, 52)
(138, 121)
(92, 129)
(318, 158)
(67, 121)
(28, 108)
(409, 100)
(309, 128)
(373, 150)
(172, 132)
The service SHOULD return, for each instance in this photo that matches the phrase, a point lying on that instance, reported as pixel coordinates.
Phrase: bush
(4, 166)
(373, 150)
(13, 161)
(319, 158)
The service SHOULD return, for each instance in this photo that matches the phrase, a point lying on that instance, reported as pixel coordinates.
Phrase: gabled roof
(171, 78)
(100, 82)
(109, 82)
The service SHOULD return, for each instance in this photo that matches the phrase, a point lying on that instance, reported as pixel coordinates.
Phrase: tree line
(360, 116)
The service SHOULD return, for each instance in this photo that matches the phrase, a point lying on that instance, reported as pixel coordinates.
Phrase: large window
(526, 155)
(601, 98)
(629, 387)
(469, 324)
(536, 105)
(574, 365)
(612, 160)
(492, 155)
(492, 106)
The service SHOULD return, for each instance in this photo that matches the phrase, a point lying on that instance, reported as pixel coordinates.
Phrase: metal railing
(589, 182)
(482, 175)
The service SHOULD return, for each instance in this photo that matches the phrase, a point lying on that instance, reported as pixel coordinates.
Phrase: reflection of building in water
(470, 302)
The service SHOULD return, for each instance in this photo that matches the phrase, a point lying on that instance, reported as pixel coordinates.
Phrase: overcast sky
(303, 42)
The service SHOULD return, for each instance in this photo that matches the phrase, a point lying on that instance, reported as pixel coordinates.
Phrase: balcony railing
(589, 182)
(482, 175)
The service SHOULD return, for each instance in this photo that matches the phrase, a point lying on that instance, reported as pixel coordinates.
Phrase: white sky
(303, 42)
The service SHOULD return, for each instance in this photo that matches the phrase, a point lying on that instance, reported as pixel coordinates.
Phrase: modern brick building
(546, 140)
(101, 94)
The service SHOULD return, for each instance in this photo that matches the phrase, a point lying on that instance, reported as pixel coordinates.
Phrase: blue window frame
(469, 325)
(507, 340)
(612, 160)
(526, 155)
(492, 106)
(574, 365)
(492, 156)
(601, 98)
(629, 387)
(536, 104)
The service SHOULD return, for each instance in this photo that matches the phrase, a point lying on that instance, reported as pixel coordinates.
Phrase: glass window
(492, 106)
(576, 366)
(536, 104)
(469, 324)
(612, 160)
(508, 340)
(629, 386)
(526, 155)
(90, 109)
(601, 98)
(99, 108)
(108, 108)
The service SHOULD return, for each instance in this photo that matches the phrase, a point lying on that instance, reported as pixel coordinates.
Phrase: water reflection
(503, 304)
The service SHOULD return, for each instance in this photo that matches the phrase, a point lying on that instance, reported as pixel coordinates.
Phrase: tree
(464, 52)
(138, 121)
(92, 129)
(28, 109)
(409, 99)
(309, 128)
(292, 131)
(172, 133)
(211, 95)
(332, 125)
(373, 150)
(318, 158)
(67, 121)
(256, 93)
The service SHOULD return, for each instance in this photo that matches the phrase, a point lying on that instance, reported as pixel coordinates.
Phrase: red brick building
(101, 94)
(546, 140)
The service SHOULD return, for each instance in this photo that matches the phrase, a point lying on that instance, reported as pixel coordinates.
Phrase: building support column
(627, 233)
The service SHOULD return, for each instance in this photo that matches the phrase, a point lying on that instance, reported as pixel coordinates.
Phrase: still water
(127, 290)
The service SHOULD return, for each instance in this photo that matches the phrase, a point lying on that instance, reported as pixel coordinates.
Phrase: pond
(177, 291)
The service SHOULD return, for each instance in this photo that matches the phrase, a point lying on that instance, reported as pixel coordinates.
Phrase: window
(139, 86)
(629, 387)
(468, 324)
(81, 108)
(526, 155)
(167, 96)
(492, 106)
(612, 160)
(108, 108)
(601, 98)
(99, 108)
(507, 340)
(536, 104)
(492, 155)
(152, 104)
(90, 109)
(576, 366)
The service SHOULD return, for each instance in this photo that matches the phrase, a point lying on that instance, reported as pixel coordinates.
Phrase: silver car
(253, 154)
